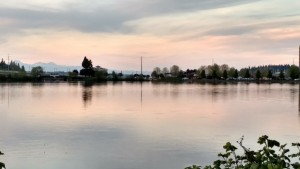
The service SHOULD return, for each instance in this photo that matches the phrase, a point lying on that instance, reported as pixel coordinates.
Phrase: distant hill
(49, 67)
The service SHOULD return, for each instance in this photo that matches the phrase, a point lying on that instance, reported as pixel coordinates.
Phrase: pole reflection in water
(8, 95)
(141, 96)
(141, 93)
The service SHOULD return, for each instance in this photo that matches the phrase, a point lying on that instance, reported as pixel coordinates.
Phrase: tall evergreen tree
(202, 74)
(23, 69)
(294, 72)
(258, 74)
(86, 63)
(225, 74)
(247, 74)
(88, 68)
(2, 64)
(270, 74)
(236, 74)
(281, 75)
(214, 74)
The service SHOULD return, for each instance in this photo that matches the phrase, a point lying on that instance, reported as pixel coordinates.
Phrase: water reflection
(141, 93)
(180, 124)
(87, 93)
(299, 98)
(2, 92)
(8, 91)
(5, 93)
(72, 83)
(37, 90)
(8, 94)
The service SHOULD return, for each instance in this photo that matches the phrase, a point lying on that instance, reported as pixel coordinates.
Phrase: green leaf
(254, 166)
(296, 144)
(282, 146)
(2, 165)
(273, 143)
(217, 163)
(262, 139)
(296, 165)
(193, 167)
(229, 147)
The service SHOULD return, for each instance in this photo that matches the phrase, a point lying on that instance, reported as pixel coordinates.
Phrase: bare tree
(174, 70)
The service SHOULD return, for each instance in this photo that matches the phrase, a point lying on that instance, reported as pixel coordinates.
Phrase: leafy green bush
(272, 155)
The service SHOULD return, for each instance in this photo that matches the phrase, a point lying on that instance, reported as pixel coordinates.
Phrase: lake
(139, 125)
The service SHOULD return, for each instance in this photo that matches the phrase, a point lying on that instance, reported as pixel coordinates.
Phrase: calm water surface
(134, 125)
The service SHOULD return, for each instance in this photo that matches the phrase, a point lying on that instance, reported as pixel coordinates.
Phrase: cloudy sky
(115, 33)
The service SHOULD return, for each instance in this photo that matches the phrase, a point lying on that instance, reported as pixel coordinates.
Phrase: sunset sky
(115, 33)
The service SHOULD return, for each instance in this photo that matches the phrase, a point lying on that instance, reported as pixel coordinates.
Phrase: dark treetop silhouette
(87, 67)
(2, 165)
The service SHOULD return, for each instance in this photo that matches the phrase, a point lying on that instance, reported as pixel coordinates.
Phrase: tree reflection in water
(299, 99)
(87, 93)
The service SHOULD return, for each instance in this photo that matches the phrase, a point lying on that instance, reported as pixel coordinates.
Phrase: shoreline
(160, 81)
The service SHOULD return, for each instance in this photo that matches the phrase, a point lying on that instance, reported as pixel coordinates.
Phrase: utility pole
(8, 62)
(141, 65)
(299, 87)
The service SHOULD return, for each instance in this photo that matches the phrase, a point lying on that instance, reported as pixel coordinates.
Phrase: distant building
(99, 68)
(168, 75)
(190, 73)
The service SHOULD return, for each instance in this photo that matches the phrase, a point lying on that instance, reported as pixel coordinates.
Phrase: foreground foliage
(2, 165)
(272, 155)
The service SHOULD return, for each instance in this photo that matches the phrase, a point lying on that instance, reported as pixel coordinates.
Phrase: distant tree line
(13, 66)
(87, 73)
(91, 73)
(215, 71)
(97, 73)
